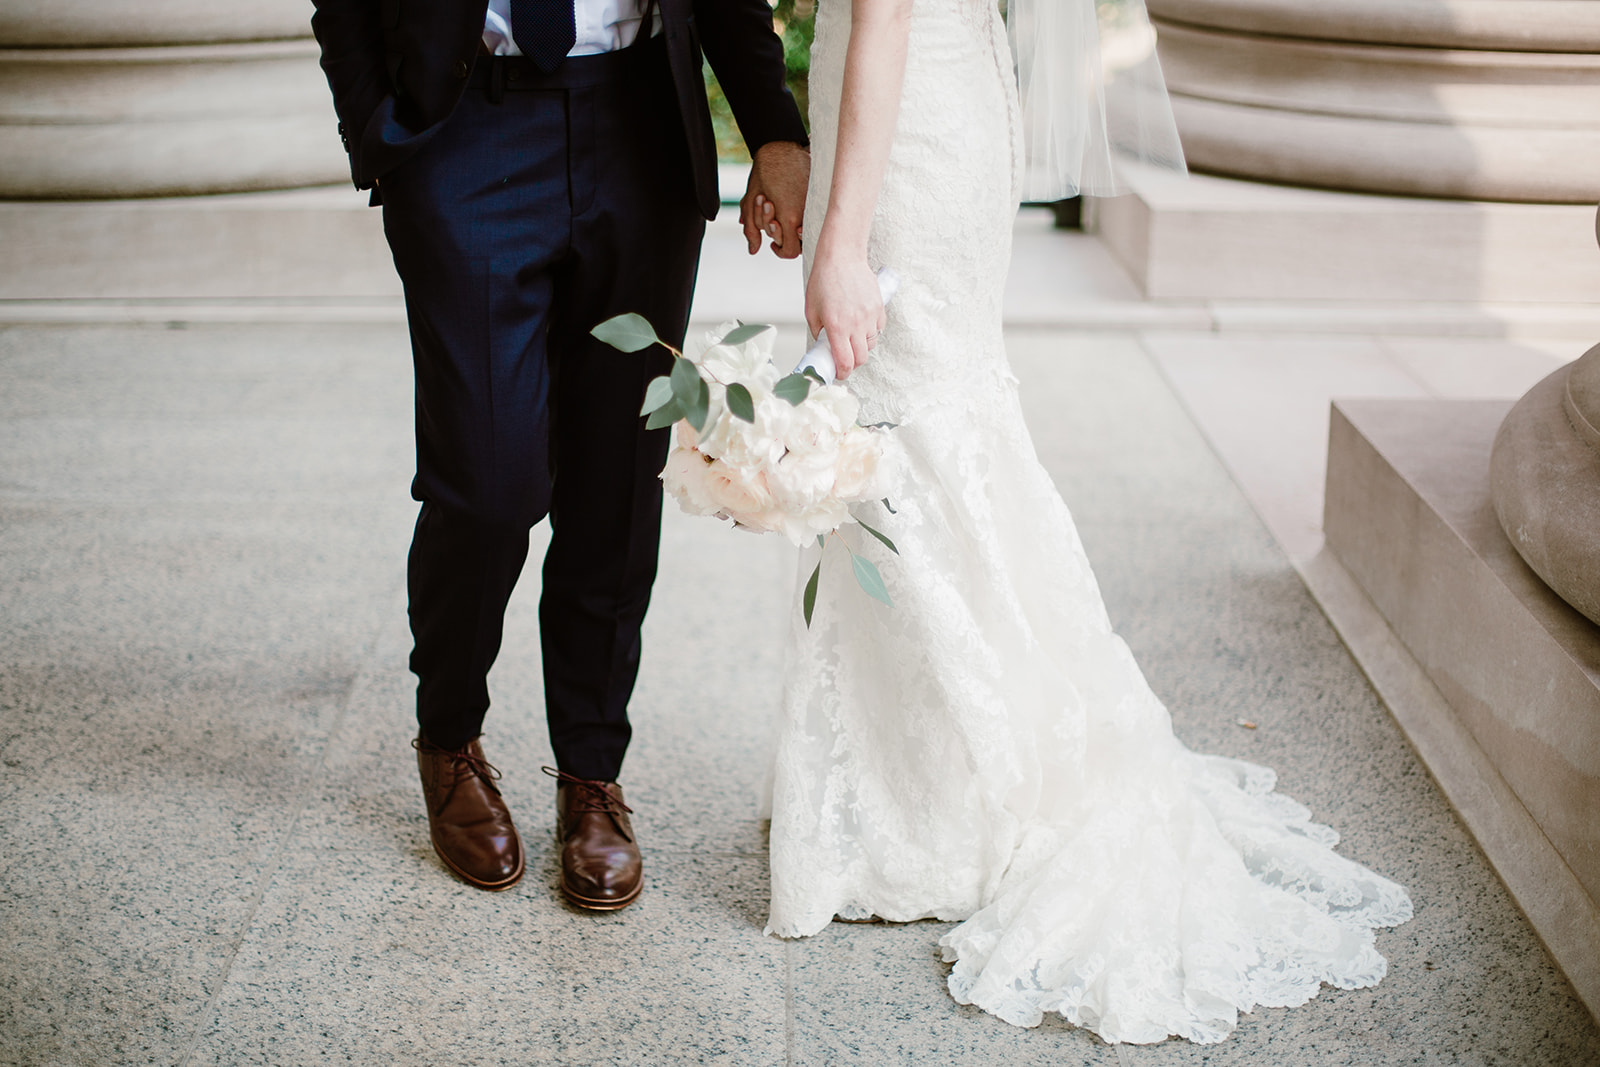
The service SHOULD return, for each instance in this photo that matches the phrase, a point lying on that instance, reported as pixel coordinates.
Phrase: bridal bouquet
(775, 453)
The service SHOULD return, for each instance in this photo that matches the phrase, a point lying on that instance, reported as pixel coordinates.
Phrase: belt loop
(497, 79)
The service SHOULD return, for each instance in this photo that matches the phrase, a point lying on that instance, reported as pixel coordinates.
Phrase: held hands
(843, 298)
(775, 199)
(842, 295)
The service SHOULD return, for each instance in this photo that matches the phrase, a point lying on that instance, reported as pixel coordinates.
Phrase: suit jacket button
(461, 68)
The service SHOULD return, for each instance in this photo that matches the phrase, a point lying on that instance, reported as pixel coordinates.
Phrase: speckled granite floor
(212, 849)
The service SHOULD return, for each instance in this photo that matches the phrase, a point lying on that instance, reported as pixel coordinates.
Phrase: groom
(544, 165)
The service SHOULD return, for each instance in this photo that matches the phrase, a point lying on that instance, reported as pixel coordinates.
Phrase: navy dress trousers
(524, 205)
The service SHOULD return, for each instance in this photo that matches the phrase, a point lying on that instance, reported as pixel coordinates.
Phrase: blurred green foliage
(794, 20)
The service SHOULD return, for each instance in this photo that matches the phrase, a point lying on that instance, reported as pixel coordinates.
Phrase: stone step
(320, 242)
(1209, 238)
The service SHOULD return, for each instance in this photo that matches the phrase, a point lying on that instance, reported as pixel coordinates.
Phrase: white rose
(775, 417)
(804, 527)
(695, 348)
(857, 473)
(814, 430)
(749, 362)
(685, 477)
(751, 446)
(802, 480)
(727, 365)
(838, 401)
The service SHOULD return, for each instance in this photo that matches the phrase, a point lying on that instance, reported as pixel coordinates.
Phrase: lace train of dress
(987, 750)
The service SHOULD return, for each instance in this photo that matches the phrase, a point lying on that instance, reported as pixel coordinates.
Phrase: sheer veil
(1092, 93)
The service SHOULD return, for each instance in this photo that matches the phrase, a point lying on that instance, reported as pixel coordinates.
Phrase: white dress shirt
(602, 26)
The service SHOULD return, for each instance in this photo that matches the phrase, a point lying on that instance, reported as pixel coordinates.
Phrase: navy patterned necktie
(543, 30)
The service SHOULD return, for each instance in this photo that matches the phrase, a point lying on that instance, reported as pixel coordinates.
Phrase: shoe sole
(578, 900)
(493, 887)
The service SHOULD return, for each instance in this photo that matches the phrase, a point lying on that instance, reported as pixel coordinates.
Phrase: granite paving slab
(212, 848)
(177, 641)
(873, 994)
(370, 960)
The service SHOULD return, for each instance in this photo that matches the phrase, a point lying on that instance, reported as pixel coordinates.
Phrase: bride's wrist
(833, 250)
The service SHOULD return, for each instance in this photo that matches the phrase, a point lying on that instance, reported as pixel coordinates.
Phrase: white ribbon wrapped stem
(819, 357)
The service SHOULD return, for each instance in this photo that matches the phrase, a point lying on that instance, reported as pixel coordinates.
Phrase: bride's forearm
(841, 296)
(874, 70)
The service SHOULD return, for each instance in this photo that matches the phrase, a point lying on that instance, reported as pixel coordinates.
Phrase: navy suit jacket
(397, 68)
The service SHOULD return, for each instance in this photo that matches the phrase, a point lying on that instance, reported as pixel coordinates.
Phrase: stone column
(1468, 99)
(112, 98)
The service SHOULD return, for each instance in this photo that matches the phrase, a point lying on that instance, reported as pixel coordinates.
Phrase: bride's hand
(842, 298)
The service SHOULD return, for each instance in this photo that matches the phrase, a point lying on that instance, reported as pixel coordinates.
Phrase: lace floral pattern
(987, 750)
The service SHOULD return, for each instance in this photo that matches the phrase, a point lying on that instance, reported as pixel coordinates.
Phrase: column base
(1209, 238)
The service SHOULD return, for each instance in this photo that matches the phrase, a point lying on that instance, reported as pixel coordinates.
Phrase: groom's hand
(775, 200)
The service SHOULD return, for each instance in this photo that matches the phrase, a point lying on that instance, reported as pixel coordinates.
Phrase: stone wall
(110, 99)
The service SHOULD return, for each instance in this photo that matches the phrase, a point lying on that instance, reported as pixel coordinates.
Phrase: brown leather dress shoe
(600, 865)
(467, 818)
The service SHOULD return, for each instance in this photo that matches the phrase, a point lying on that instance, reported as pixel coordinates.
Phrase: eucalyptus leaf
(657, 393)
(740, 334)
(686, 383)
(887, 543)
(809, 602)
(628, 332)
(811, 372)
(740, 403)
(794, 388)
(868, 578)
(665, 415)
(697, 410)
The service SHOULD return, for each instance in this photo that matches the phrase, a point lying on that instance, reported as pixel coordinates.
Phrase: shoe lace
(592, 797)
(459, 758)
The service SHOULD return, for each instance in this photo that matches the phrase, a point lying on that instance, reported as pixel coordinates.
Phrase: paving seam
(270, 869)
(789, 948)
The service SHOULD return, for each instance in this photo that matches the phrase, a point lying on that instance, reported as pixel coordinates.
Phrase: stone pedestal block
(1409, 515)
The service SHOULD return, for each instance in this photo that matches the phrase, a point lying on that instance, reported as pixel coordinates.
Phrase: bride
(987, 750)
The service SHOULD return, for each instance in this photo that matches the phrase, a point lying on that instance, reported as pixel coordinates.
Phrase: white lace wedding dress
(987, 750)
